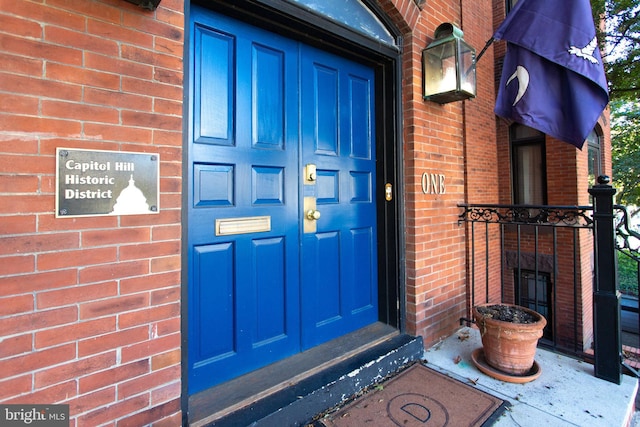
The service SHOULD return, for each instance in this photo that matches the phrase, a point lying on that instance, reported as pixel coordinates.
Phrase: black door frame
(291, 21)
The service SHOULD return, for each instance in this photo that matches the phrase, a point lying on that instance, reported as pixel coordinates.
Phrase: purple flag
(552, 78)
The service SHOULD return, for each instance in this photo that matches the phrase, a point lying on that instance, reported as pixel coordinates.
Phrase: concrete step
(298, 402)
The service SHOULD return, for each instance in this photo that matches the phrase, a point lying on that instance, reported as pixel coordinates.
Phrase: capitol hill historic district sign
(98, 182)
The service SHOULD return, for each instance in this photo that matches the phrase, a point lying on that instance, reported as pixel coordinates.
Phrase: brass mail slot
(252, 224)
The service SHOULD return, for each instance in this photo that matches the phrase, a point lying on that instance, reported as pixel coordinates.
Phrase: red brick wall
(89, 307)
(482, 158)
(436, 140)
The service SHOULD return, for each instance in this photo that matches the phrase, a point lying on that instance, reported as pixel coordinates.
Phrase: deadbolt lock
(310, 174)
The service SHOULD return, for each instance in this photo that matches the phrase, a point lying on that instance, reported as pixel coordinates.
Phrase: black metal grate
(516, 244)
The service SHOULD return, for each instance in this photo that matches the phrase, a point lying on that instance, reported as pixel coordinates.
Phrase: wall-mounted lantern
(146, 4)
(448, 67)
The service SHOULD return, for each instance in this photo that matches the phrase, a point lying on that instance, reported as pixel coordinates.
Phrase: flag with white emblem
(552, 77)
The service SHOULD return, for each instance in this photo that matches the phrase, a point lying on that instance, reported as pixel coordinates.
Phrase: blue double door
(281, 206)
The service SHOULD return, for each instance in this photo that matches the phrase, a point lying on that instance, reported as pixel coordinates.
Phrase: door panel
(270, 319)
(259, 287)
(339, 274)
(214, 261)
(243, 281)
(214, 82)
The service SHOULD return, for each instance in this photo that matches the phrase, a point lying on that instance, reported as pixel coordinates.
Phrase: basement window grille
(536, 294)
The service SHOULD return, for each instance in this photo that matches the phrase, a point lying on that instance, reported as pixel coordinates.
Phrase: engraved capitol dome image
(130, 201)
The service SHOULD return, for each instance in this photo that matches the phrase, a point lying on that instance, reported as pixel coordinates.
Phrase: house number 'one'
(433, 183)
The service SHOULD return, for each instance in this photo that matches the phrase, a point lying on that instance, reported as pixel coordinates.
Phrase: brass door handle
(310, 215)
(313, 215)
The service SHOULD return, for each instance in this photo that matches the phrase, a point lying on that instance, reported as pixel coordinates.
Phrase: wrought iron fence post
(606, 298)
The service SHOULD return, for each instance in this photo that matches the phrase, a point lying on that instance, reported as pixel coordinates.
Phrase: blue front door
(339, 269)
(281, 207)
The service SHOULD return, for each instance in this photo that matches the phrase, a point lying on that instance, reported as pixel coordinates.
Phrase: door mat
(418, 396)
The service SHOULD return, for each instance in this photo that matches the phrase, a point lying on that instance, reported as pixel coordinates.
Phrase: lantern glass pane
(439, 69)
(467, 68)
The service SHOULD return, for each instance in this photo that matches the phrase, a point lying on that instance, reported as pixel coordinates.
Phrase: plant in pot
(510, 335)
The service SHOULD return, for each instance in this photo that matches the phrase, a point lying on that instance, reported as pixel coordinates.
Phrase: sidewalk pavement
(566, 393)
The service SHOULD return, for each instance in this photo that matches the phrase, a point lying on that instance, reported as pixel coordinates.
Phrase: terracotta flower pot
(508, 346)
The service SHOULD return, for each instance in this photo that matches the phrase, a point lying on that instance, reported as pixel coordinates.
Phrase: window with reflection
(593, 153)
(528, 165)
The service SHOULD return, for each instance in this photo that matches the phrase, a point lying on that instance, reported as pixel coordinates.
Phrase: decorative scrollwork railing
(627, 239)
(559, 216)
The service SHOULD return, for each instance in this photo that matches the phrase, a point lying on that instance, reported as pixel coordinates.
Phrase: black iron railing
(544, 215)
(533, 251)
(627, 239)
(628, 250)
(560, 261)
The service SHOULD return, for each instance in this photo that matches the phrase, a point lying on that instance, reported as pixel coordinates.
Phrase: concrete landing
(565, 394)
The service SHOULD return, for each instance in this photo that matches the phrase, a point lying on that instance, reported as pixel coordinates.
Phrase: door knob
(313, 214)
